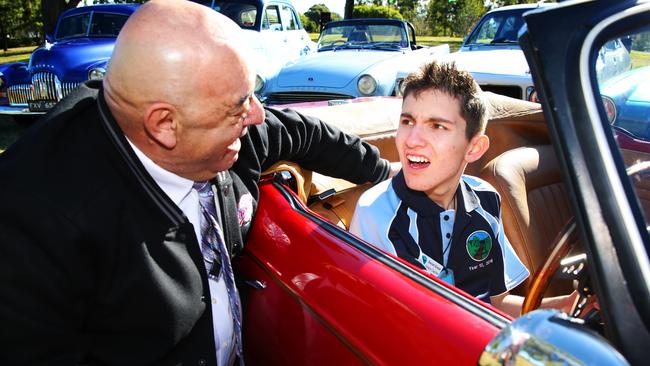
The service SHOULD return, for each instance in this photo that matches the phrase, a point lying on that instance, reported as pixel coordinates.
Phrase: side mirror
(544, 337)
(49, 38)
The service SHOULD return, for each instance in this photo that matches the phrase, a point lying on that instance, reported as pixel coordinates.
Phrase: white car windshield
(389, 36)
(498, 28)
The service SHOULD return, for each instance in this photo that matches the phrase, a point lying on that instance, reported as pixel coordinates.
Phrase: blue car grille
(287, 98)
(44, 86)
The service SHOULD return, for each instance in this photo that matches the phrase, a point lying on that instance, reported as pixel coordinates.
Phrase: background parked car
(78, 51)
(11, 71)
(493, 55)
(272, 28)
(355, 58)
(626, 99)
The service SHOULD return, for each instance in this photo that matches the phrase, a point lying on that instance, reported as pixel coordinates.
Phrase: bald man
(100, 261)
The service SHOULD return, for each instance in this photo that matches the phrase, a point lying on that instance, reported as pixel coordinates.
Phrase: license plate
(41, 105)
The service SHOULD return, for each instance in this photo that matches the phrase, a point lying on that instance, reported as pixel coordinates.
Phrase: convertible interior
(520, 163)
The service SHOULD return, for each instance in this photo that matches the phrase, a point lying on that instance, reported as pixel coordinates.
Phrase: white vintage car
(491, 52)
(271, 27)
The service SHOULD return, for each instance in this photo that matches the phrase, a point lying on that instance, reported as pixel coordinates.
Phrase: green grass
(640, 59)
(16, 54)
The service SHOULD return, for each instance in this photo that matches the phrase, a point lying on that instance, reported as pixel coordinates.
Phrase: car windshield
(245, 15)
(377, 36)
(95, 24)
(497, 28)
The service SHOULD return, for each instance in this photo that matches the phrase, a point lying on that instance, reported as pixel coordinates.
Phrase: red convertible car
(575, 207)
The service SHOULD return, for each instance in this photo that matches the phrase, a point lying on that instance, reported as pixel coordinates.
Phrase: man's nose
(255, 115)
(414, 137)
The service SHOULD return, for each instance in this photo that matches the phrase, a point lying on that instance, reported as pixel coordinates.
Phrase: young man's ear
(478, 145)
(161, 125)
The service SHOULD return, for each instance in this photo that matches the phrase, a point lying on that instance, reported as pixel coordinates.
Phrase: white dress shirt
(180, 191)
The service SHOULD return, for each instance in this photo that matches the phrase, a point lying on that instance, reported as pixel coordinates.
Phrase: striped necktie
(217, 258)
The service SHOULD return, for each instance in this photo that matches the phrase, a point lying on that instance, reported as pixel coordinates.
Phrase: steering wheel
(573, 268)
(338, 41)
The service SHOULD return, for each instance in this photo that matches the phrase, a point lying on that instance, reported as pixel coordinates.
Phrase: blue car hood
(70, 59)
(331, 69)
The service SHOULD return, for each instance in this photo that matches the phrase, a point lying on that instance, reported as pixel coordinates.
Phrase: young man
(432, 215)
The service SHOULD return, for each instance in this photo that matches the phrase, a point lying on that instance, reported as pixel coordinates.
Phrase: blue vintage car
(78, 51)
(355, 58)
(626, 99)
(11, 71)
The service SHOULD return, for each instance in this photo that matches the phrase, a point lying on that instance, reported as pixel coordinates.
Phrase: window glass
(289, 18)
(73, 26)
(107, 24)
(623, 73)
(272, 18)
(363, 34)
(242, 14)
(500, 27)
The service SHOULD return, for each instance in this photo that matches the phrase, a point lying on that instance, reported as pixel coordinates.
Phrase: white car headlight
(367, 85)
(259, 83)
(96, 73)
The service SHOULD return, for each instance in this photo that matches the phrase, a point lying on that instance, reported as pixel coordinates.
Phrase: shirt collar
(423, 205)
(470, 199)
(175, 186)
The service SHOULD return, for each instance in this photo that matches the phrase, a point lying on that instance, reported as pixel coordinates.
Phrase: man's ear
(478, 145)
(161, 125)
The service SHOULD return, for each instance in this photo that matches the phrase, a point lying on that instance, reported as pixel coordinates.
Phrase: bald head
(167, 51)
(180, 87)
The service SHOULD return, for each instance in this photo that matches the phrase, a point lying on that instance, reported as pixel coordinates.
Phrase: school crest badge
(478, 245)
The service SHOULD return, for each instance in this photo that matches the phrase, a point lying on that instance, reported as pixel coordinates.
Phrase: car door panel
(333, 292)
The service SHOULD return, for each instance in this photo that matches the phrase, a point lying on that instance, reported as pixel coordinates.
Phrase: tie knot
(204, 188)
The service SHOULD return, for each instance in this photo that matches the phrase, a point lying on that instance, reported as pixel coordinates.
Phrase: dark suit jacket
(97, 265)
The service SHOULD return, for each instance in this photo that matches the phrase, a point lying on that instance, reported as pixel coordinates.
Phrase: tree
(19, 22)
(349, 9)
(375, 11)
(453, 18)
(314, 15)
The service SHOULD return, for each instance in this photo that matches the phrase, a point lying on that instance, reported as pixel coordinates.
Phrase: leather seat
(358, 36)
(534, 204)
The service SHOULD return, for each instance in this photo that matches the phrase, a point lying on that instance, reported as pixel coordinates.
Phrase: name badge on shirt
(437, 269)
(431, 265)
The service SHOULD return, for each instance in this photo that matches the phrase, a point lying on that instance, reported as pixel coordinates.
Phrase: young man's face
(432, 145)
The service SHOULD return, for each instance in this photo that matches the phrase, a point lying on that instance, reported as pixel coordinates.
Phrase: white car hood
(503, 62)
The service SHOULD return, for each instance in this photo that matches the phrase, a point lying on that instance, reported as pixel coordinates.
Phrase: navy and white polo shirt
(467, 246)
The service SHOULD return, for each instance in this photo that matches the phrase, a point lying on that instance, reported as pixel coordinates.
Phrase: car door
(607, 189)
(298, 41)
(273, 37)
(316, 295)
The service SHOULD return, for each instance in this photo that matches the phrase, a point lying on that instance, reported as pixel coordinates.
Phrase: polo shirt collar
(423, 205)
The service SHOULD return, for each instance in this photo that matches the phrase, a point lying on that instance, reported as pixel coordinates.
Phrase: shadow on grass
(10, 131)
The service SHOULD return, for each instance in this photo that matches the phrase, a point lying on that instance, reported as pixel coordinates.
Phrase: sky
(336, 6)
